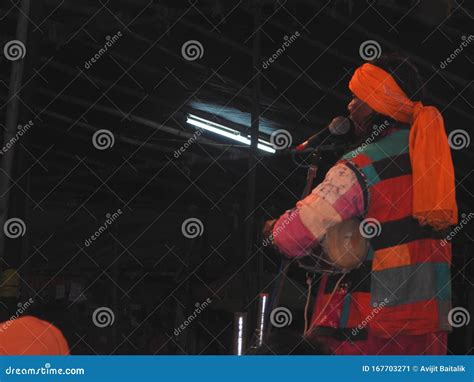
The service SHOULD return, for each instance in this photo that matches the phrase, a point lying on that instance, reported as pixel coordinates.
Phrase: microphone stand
(316, 157)
(315, 160)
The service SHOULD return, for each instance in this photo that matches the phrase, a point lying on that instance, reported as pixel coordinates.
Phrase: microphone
(339, 126)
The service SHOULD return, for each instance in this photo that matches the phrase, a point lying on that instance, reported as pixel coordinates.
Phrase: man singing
(401, 180)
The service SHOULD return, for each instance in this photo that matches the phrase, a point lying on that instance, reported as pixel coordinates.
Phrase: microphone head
(339, 126)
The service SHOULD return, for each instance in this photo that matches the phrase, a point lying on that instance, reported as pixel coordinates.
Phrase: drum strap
(309, 282)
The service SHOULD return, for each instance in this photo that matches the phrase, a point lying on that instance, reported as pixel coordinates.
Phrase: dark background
(142, 267)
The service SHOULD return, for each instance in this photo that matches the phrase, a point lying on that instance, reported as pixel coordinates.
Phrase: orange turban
(31, 336)
(434, 197)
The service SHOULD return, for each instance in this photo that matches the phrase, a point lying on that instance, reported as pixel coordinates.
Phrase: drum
(342, 250)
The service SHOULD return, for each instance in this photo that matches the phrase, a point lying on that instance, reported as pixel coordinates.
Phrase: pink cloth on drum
(291, 236)
(339, 197)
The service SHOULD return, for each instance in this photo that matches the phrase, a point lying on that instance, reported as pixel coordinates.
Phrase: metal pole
(114, 291)
(252, 157)
(11, 120)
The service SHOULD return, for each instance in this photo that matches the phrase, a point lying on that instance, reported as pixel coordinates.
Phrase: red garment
(398, 344)
(403, 287)
(424, 344)
(31, 336)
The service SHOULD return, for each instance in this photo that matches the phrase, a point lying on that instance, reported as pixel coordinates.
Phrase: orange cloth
(434, 197)
(31, 336)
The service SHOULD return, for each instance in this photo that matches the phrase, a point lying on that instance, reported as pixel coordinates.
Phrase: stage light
(261, 315)
(240, 333)
(227, 132)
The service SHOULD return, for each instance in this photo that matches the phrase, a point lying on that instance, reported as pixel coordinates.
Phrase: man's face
(361, 114)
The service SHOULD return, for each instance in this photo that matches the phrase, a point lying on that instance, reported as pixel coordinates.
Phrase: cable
(309, 282)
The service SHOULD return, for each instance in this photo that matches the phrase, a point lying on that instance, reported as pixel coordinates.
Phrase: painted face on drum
(361, 114)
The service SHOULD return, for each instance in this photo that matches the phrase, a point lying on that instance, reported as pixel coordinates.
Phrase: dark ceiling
(141, 90)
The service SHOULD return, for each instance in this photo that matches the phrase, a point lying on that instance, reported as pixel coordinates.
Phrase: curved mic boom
(338, 126)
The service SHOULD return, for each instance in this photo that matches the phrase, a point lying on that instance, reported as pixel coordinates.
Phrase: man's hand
(268, 228)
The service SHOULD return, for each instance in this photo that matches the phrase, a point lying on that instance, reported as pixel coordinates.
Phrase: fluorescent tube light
(227, 132)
